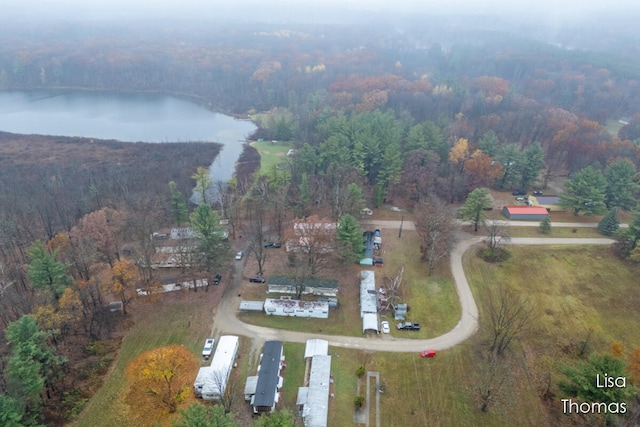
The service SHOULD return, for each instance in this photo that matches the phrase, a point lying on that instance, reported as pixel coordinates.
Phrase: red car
(428, 353)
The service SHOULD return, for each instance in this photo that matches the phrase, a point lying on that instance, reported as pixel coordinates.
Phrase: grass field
(575, 290)
(580, 232)
(271, 154)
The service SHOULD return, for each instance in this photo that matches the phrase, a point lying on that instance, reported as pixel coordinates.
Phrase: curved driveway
(225, 320)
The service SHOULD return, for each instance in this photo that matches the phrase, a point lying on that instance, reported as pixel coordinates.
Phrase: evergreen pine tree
(545, 226)
(609, 224)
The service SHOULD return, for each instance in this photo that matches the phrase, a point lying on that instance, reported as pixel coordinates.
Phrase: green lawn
(574, 289)
(583, 232)
(271, 154)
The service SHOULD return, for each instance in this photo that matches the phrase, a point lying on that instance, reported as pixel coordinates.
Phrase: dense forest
(384, 111)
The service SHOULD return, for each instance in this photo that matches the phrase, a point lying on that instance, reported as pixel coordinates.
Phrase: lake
(125, 117)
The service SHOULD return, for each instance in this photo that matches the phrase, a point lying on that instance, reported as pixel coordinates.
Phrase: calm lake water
(124, 117)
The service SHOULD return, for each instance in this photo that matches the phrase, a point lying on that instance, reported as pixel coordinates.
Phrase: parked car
(239, 255)
(216, 280)
(428, 353)
(408, 326)
(537, 192)
(256, 279)
(208, 347)
(378, 262)
(384, 326)
(377, 232)
(519, 192)
(273, 245)
(520, 199)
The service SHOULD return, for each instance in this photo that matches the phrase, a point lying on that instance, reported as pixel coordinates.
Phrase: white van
(208, 348)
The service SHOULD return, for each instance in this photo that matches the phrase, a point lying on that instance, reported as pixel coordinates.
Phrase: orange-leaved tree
(161, 378)
(125, 276)
(634, 366)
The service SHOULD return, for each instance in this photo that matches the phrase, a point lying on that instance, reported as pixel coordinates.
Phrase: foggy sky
(244, 9)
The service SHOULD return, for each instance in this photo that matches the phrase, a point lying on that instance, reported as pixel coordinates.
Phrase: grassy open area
(271, 154)
(574, 289)
(613, 126)
(578, 232)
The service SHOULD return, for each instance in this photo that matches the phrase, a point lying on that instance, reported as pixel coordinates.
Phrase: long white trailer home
(215, 380)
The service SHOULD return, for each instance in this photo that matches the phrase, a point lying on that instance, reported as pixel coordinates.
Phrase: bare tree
(490, 381)
(226, 383)
(256, 215)
(341, 194)
(229, 199)
(435, 225)
(393, 290)
(497, 237)
(140, 227)
(278, 207)
(509, 315)
(314, 239)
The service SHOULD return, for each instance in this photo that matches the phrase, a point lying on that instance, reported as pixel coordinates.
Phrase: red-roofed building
(525, 213)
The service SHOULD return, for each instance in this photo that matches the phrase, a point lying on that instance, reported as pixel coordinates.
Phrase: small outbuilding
(525, 213)
(548, 202)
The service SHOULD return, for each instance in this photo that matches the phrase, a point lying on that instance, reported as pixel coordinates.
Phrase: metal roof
(370, 322)
(252, 305)
(250, 385)
(368, 294)
(268, 376)
(309, 282)
(316, 347)
(317, 406)
(526, 210)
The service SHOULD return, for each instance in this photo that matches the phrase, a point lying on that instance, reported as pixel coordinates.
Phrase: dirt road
(226, 322)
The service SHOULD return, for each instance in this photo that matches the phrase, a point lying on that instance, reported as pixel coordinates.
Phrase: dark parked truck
(408, 326)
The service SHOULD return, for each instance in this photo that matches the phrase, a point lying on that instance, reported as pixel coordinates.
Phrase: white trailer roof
(315, 411)
(370, 322)
(316, 347)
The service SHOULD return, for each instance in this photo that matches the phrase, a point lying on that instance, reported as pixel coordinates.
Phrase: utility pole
(401, 222)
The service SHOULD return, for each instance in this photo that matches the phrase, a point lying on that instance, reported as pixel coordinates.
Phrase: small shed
(548, 202)
(115, 306)
(250, 387)
(525, 213)
(400, 312)
(251, 305)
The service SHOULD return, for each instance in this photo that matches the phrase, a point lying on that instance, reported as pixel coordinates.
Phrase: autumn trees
(162, 377)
